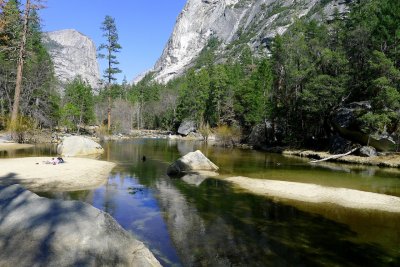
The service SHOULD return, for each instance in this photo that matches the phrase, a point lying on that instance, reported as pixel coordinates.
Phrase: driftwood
(335, 156)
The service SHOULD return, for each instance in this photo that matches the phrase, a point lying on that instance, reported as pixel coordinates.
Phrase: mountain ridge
(232, 23)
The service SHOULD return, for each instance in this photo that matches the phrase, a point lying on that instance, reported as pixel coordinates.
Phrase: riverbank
(312, 193)
(390, 160)
(7, 144)
(36, 175)
(13, 146)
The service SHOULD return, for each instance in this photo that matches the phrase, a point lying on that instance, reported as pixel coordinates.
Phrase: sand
(74, 174)
(312, 193)
(13, 146)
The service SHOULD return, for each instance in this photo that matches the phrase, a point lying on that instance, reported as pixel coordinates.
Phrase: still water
(210, 223)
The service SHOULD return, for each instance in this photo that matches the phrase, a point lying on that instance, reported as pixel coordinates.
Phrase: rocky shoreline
(391, 160)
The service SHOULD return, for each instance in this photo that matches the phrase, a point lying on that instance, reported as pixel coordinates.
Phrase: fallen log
(335, 156)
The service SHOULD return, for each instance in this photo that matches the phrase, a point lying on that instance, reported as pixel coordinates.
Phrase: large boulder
(78, 146)
(367, 151)
(193, 161)
(36, 231)
(346, 121)
(186, 127)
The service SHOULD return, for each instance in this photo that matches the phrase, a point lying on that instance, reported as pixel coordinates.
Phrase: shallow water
(210, 223)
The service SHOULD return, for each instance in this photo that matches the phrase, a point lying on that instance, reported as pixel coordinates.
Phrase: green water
(210, 223)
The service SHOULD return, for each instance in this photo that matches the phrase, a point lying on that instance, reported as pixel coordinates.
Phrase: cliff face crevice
(73, 54)
(232, 22)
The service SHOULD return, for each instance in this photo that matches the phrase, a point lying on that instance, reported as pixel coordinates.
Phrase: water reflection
(209, 223)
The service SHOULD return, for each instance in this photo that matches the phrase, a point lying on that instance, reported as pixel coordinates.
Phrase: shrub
(228, 136)
(205, 130)
(23, 129)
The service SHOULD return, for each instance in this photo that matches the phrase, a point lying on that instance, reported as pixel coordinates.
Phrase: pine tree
(111, 47)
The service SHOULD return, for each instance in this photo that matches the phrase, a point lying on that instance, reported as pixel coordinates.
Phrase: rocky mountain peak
(253, 22)
(73, 54)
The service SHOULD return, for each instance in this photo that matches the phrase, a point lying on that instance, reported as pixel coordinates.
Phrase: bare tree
(18, 82)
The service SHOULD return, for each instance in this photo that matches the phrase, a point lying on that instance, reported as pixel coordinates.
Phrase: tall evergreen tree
(111, 47)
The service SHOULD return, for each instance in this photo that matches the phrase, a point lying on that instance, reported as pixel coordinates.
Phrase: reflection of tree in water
(212, 226)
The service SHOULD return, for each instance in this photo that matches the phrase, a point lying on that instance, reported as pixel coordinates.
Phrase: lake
(211, 223)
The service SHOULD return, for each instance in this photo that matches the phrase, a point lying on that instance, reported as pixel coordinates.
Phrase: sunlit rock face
(73, 54)
(232, 22)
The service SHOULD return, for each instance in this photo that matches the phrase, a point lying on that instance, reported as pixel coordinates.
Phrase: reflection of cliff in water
(212, 226)
(189, 231)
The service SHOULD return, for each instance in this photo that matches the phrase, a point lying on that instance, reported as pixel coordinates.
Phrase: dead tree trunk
(18, 82)
(335, 156)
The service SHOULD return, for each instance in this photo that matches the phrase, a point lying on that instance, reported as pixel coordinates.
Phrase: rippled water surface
(207, 222)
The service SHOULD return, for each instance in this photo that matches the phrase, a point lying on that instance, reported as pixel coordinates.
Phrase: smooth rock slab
(78, 146)
(193, 161)
(36, 231)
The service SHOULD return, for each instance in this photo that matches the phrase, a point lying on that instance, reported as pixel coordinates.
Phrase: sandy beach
(12, 146)
(312, 193)
(34, 174)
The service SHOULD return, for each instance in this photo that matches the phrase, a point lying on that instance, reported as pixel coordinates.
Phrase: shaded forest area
(294, 92)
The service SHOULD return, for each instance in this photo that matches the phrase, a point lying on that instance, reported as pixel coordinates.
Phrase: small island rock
(193, 161)
(78, 146)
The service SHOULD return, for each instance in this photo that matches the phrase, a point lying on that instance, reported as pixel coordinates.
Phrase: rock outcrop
(73, 55)
(78, 146)
(367, 151)
(232, 23)
(191, 162)
(186, 127)
(36, 231)
(346, 121)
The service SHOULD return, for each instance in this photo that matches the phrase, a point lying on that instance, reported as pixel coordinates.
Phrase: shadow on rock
(36, 231)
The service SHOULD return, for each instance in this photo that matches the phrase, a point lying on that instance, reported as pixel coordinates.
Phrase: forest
(296, 88)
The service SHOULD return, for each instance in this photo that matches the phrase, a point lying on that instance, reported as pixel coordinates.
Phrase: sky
(144, 27)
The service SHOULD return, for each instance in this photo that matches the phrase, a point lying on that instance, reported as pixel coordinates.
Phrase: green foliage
(78, 107)
(111, 47)
(22, 129)
(39, 99)
(228, 136)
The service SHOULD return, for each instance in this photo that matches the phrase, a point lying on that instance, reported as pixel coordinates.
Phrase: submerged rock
(197, 178)
(193, 161)
(78, 146)
(36, 231)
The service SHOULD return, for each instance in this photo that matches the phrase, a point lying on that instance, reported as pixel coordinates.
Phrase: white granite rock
(73, 55)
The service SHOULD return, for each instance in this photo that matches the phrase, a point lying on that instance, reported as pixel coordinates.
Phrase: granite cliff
(73, 54)
(233, 23)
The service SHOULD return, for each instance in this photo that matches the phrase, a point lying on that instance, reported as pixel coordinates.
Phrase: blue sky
(144, 26)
